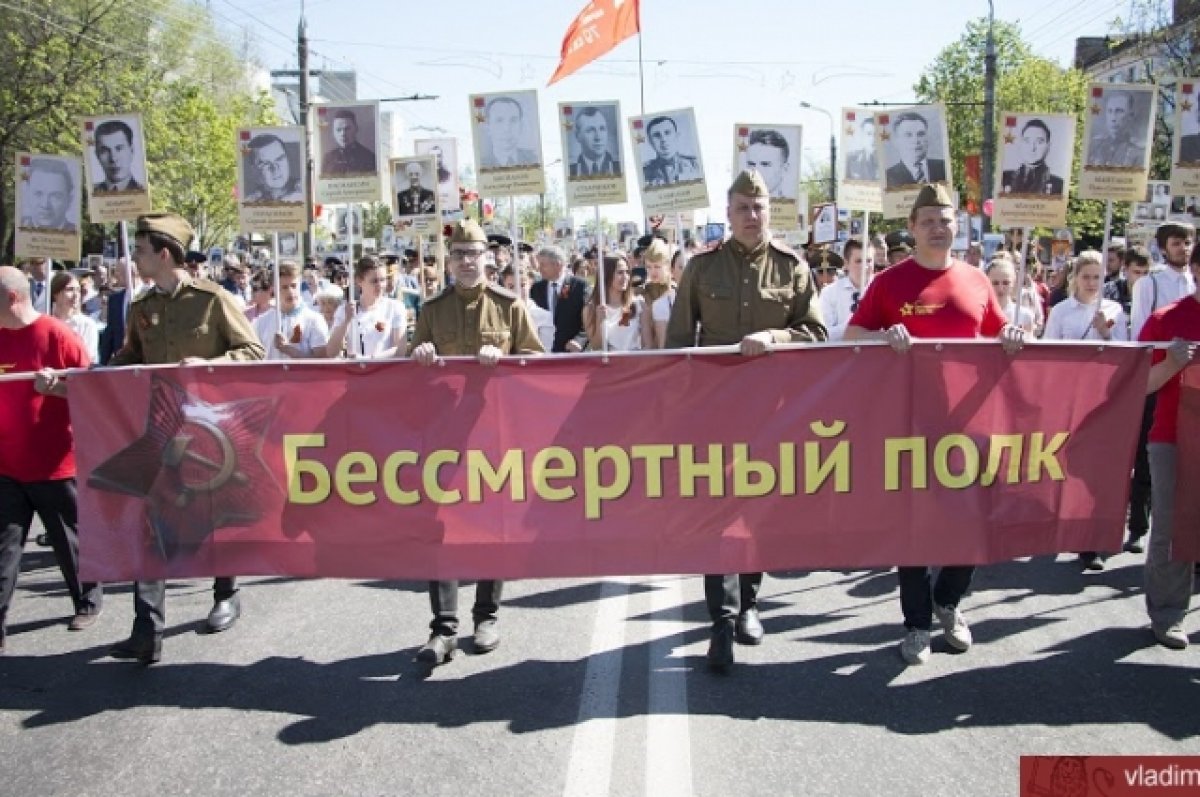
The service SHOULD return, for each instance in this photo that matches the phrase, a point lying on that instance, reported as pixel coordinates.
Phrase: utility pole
(989, 115)
(302, 57)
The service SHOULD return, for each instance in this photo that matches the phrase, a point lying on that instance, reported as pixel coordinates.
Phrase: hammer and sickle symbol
(178, 450)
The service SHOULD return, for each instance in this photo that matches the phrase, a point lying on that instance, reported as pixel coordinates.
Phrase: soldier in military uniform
(754, 292)
(667, 166)
(416, 199)
(348, 157)
(1033, 176)
(476, 319)
(1114, 145)
(186, 321)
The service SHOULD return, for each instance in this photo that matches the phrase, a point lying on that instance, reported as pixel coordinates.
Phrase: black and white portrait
(564, 228)
(667, 148)
(858, 146)
(1035, 154)
(272, 165)
(348, 222)
(414, 185)
(445, 152)
(592, 140)
(48, 193)
(914, 147)
(774, 152)
(347, 140)
(1158, 192)
(1119, 119)
(115, 155)
(289, 244)
(508, 130)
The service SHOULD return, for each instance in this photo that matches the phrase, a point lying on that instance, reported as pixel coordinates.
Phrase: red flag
(600, 26)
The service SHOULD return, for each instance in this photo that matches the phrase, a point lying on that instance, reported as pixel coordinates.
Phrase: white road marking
(668, 743)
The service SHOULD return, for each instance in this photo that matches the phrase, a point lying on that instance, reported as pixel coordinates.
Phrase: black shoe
(146, 649)
(1091, 561)
(749, 628)
(720, 648)
(487, 636)
(43, 540)
(438, 650)
(1134, 543)
(223, 615)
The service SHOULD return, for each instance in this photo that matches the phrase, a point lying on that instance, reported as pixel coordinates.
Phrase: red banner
(1185, 525)
(823, 457)
(1110, 776)
(600, 26)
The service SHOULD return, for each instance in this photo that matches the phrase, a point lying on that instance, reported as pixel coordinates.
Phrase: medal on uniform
(154, 319)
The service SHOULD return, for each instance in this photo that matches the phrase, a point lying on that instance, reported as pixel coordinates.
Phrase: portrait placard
(591, 142)
(114, 154)
(508, 143)
(1035, 163)
(859, 186)
(347, 223)
(774, 152)
(1116, 141)
(48, 200)
(1185, 144)
(670, 169)
(271, 186)
(912, 145)
(564, 229)
(347, 153)
(414, 193)
(825, 223)
(445, 151)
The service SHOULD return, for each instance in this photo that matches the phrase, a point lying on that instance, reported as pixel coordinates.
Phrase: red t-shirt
(1178, 320)
(957, 302)
(36, 444)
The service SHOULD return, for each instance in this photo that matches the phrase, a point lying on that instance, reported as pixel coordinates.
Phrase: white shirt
(837, 301)
(1027, 322)
(661, 309)
(543, 322)
(628, 337)
(1156, 290)
(375, 325)
(303, 327)
(88, 331)
(1070, 319)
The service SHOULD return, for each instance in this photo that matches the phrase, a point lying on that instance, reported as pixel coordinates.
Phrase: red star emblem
(1009, 138)
(480, 118)
(1095, 110)
(849, 116)
(198, 466)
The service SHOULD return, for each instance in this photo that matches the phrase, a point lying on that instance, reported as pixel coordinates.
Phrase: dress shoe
(1134, 544)
(749, 628)
(1092, 561)
(146, 649)
(720, 648)
(487, 636)
(83, 619)
(224, 614)
(438, 650)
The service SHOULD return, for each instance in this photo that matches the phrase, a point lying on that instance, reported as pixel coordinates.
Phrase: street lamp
(832, 148)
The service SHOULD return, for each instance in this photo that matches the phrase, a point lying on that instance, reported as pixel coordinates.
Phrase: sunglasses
(826, 270)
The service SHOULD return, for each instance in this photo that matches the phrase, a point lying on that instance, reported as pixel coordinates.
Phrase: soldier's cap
(933, 195)
(899, 241)
(525, 246)
(496, 239)
(172, 225)
(192, 256)
(828, 259)
(749, 183)
(467, 231)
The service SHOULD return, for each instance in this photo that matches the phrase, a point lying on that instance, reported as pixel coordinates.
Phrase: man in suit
(668, 165)
(1033, 177)
(910, 137)
(277, 178)
(114, 150)
(591, 131)
(861, 163)
(505, 126)
(112, 337)
(416, 199)
(47, 196)
(348, 156)
(564, 296)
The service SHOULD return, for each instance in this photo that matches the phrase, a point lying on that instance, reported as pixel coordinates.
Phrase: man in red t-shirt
(37, 450)
(1168, 583)
(931, 295)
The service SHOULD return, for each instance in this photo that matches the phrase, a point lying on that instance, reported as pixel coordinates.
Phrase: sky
(732, 62)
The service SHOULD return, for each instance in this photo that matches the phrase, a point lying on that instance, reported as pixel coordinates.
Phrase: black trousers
(1139, 489)
(55, 503)
(728, 596)
(443, 600)
(150, 603)
(916, 598)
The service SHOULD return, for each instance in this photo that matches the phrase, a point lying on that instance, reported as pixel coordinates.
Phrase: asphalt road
(599, 687)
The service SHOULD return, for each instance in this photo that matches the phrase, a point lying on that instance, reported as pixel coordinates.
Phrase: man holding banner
(931, 295)
(753, 292)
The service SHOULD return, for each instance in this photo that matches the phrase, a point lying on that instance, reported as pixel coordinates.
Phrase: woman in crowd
(260, 295)
(328, 299)
(65, 302)
(381, 328)
(622, 320)
(1002, 274)
(660, 310)
(658, 270)
(1086, 315)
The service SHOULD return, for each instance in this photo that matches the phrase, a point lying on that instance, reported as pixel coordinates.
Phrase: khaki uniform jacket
(731, 292)
(199, 319)
(459, 322)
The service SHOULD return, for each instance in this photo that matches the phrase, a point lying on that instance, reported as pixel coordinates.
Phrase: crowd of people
(495, 298)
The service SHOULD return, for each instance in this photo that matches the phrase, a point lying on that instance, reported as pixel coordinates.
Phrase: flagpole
(275, 276)
(641, 73)
(601, 314)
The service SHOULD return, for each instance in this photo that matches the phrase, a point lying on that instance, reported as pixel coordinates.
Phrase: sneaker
(1134, 544)
(915, 648)
(487, 635)
(1170, 637)
(958, 633)
(438, 650)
